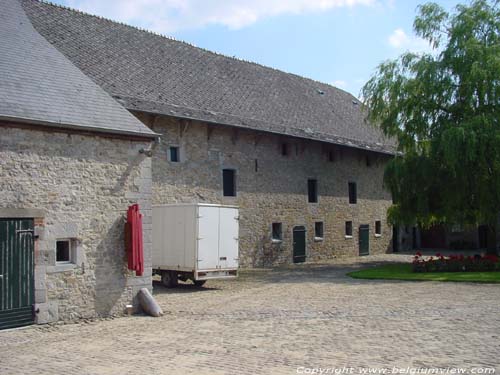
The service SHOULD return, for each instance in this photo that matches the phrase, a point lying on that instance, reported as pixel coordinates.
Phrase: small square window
(229, 182)
(63, 251)
(318, 230)
(378, 228)
(312, 191)
(173, 153)
(277, 232)
(348, 228)
(353, 193)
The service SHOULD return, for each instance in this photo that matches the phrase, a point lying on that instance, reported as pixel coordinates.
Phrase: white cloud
(402, 41)
(340, 84)
(398, 38)
(168, 16)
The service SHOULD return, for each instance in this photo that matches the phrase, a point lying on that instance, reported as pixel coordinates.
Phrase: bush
(455, 263)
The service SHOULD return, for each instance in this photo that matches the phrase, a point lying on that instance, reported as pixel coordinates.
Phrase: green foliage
(405, 272)
(443, 108)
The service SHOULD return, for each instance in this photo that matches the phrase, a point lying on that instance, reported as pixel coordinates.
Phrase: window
(318, 230)
(331, 156)
(277, 232)
(353, 194)
(378, 228)
(173, 153)
(284, 149)
(348, 228)
(63, 251)
(368, 161)
(229, 182)
(312, 191)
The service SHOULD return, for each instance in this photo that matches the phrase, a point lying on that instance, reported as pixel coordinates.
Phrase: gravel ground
(281, 321)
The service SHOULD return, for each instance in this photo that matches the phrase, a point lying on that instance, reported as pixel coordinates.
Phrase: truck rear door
(208, 238)
(228, 237)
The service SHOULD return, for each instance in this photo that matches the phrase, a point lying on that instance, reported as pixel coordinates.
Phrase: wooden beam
(183, 126)
(210, 130)
(257, 139)
(235, 135)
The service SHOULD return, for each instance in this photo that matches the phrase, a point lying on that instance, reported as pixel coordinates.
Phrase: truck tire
(169, 279)
(199, 282)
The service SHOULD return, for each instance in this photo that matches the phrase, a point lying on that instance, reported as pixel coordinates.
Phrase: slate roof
(39, 85)
(152, 73)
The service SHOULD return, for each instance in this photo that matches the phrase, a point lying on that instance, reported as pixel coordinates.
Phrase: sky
(339, 42)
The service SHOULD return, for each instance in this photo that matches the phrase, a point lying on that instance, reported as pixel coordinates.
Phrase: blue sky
(339, 42)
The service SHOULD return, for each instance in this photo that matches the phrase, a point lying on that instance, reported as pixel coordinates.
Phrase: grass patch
(404, 272)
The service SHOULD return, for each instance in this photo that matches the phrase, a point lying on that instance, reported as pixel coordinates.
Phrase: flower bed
(455, 263)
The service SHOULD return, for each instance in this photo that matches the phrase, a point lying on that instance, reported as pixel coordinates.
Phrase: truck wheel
(169, 279)
(199, 282)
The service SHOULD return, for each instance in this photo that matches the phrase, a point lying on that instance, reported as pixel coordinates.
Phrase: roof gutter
(80, 128)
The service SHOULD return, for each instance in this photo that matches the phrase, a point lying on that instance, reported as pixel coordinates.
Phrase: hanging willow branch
(443, 108)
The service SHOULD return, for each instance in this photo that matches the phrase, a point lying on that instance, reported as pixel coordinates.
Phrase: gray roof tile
(39, 85)
(149, 72)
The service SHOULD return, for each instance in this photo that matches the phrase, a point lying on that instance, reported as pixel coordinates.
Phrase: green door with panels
(16, 272)
(299, 244)
(364, 239)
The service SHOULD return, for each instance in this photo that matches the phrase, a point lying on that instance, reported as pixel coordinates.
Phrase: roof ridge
(190, 44)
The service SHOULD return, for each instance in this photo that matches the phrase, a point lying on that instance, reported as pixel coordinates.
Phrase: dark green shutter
(16, 272)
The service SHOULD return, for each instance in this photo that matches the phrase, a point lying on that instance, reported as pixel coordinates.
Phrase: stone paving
(277, 322)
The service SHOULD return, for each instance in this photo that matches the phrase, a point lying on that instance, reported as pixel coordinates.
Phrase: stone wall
(273, 188)
(83, 185)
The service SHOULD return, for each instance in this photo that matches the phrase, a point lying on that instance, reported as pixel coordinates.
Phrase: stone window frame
(179, 153)
(378, 231)
(60, 232)
(331, 157)
(285, 149)
(322, 236)
(73, 244)
(235, 182)
(352, 190)
(75, 256)
(315, 196)
(347, 234)
(278, 239)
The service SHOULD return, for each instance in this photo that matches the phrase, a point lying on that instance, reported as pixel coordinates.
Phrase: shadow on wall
(261, 169)
(121, 183)
(110, 269)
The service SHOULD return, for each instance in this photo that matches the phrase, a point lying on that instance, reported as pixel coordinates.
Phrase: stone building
(70, 165)
(294, 154)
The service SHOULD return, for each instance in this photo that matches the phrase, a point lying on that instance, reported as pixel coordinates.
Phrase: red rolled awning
(134, 243)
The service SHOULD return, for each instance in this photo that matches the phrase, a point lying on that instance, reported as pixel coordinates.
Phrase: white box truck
(195, 242)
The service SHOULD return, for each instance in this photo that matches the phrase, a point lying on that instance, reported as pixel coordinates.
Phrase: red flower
(419, 254)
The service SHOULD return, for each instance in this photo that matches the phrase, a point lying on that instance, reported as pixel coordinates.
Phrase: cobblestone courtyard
(273, 322)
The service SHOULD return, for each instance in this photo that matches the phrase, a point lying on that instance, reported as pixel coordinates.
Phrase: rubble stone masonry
(272, 187)
(80, 187)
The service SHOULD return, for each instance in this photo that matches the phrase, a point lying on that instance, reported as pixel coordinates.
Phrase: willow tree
(443, 109)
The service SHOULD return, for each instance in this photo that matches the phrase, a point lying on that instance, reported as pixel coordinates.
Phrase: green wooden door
(16, 272)
(364, 239)
(299, 244)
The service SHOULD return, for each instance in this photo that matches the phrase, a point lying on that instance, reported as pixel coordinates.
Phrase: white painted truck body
(201, 239)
